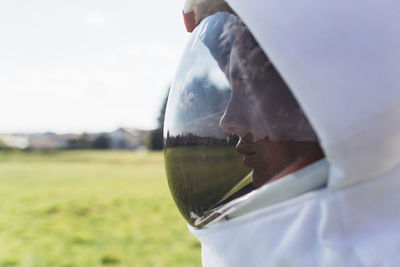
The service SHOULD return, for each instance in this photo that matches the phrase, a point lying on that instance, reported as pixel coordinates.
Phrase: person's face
(261, 111)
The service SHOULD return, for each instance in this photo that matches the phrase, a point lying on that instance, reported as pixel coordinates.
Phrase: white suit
(341, 59)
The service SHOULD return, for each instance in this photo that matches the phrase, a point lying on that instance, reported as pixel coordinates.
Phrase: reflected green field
(90, 208)
(202, 176)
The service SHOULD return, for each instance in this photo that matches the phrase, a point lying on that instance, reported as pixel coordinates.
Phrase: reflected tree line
(191, 139)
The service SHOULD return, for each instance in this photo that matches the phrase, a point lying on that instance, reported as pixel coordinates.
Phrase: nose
(234, 119)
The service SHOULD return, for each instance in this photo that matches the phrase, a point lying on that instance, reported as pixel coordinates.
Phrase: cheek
(258, 110)
(258, 120)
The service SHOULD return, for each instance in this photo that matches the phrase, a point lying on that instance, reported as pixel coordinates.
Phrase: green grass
(90, 208)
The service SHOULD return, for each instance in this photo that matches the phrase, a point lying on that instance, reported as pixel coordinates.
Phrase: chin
(260, 178)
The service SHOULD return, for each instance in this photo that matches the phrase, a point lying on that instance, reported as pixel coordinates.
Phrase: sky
(86, 65)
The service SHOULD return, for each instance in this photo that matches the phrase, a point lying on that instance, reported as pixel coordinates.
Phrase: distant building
(126, 138)
(122, 138)
(49, 141)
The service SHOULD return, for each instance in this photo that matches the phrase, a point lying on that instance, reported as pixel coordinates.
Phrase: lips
(247, 149)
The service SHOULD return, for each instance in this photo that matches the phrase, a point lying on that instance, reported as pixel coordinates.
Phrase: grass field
(90, 208)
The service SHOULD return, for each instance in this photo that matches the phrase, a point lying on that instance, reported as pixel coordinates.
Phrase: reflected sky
(199, 96)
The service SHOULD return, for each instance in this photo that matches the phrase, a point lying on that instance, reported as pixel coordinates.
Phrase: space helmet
(232, 124)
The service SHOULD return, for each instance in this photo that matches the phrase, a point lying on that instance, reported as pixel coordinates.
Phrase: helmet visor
(229, 113)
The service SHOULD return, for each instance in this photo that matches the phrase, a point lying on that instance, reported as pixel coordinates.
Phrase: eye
(235, 73)
(242, 86)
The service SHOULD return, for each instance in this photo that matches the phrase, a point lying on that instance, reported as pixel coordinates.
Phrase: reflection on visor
(225, 89)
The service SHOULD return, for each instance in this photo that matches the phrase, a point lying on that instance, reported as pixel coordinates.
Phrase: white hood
(342, 61)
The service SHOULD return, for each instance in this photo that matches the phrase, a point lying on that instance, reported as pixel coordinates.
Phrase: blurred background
(83, 89)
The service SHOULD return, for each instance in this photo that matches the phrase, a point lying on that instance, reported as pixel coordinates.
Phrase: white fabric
(310, 178)
(342, 61)
(357, 226)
